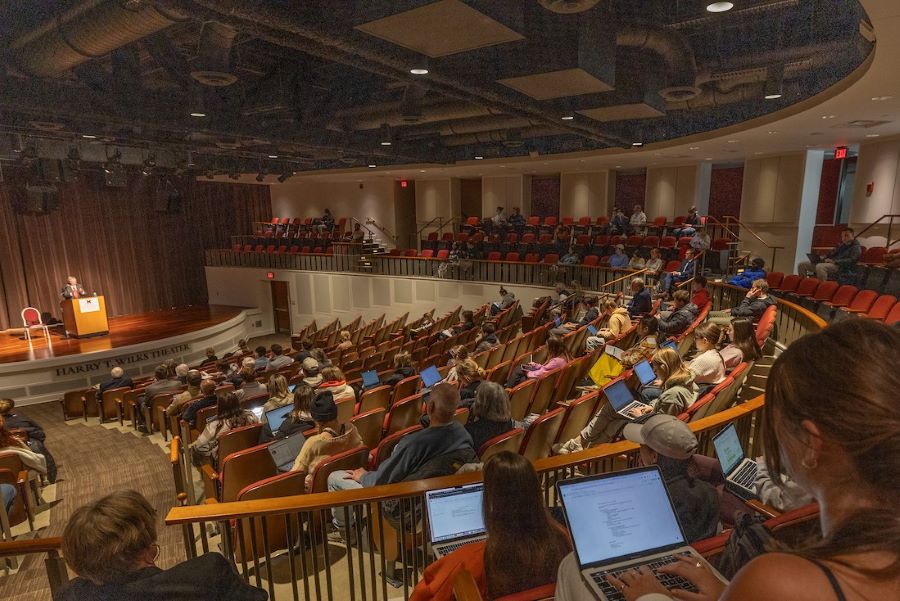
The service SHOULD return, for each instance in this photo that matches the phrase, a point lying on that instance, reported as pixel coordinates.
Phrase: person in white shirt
(708, 366)
(638, 218)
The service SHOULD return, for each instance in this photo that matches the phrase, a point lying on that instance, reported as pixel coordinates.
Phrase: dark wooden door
(281, 307)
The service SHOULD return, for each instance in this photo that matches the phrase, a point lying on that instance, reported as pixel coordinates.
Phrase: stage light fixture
(719, 7)
(261, 176)
(774, 82)
(284, 176)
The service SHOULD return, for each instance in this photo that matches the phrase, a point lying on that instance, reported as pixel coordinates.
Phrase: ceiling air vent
(863, 123)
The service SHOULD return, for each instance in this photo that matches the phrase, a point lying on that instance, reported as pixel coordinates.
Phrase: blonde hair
(332, 374)
(278, 386)
(402, 359)
(345, 335)
(6, 405)
(104, 540)
(469, 370)
(670, 368)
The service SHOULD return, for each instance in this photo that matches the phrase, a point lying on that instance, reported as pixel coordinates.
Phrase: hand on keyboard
(705, 586)
(633, 584)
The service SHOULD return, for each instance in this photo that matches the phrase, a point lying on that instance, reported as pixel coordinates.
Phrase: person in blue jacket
(745, 279)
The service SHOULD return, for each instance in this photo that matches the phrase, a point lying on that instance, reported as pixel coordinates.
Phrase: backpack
(749, 538)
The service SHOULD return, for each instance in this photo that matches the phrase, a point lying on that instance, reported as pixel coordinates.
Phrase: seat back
(844, 296)
(406, 387)
(387, 444)
(404, 413)
(808, 286)
(765, 325)
(825, 291)
(499, 373)
(540, 435)
(520, 399)
(863, 301)
(577, 415)
(239, 439)
(109, 402)
(369, 425)
(239, 470)
(893, 315)
(790, 283)
(31, 317)
(774, 279)
(375, 398)
(882, 306)
(273, 536)
(508, 441)
(72, 403)
(545, 391)
(348, 460)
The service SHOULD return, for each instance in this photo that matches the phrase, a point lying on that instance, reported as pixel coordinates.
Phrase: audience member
(229, 416)
(210, 355)
(489, 416)
(641, 302)
(279, 359)
(841, 259)
(688, 228)
(523, 546)
(469, 379)
(638, 219)
(117, 379)
(617, 320)
(742, 346)
(648, 328)
(250, 386)
(842, 448)
(162, 384)
(655, 264)
(681, 317)
(517, 220)
(557, 357)
(306, 346)
(262, 361)
(753, 305)
(194, 379)
(619, 260)
(334, 437)
(243, 347)
(279, 395)
(333, 381)
(438, 450)
(636, 262)
(111, 544)
(32, 460)
(488, 338)
(708, 366)
(403, 368)
(685, 272)
(458, 354)
(181, 372)
(209, 398)
(359, 236)
(499, 219)
(756, 271)
(345, 342)
(699, 292)
(298, 420)
(36, 436)
(560, 293)
(507, 300)
(592, 313)
(619, 224)
(311, 375)
(700, 241)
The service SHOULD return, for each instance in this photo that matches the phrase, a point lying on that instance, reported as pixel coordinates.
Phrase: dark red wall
(631, 189)
(545, 196)
(828, 191)
(725, 189)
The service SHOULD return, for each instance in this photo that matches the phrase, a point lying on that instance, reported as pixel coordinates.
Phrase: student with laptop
(841, 258)
(403, 368)
(843, 448)
(333, 437)
(277, 424)
(521, 547)
(229, 415)
(708, 366)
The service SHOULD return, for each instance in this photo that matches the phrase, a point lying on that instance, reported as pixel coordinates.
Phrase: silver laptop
(621, 399)
(740, 471)
(455, 517)
(621, 521)
(285, 450)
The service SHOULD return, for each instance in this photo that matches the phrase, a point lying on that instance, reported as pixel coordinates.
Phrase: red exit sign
(270, 275)
(840, 152)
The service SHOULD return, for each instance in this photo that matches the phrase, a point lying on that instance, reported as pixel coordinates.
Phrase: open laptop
(814, 258)
(621, 521)
(430, 376)
(284, 451)
(291, 387)
(740, 471)
(370, 379)
(621, 399)
(276, 416)
(257, 411)
(591, 330)
(455, 517)
(669, 344)
(644, 371)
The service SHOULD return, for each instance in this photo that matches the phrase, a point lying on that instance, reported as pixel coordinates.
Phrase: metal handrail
(362, 225)
(890, 216)
(732, 220)
(383, 229)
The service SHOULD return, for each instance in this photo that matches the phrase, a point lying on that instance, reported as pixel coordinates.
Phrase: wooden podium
(85, 316)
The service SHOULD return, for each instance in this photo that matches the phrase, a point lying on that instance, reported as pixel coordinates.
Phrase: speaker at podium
(85, 316)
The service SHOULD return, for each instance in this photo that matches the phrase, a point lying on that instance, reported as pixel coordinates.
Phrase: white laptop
(740, 471)
(621, 521)
(455, 517)
(284, 451)
(621, 399)
(614, 351)
(644, 371)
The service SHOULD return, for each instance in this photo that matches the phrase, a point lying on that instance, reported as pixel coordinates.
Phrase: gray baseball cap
(665, 434)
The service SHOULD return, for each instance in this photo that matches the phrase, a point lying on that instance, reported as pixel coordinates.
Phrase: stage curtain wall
(116, 243)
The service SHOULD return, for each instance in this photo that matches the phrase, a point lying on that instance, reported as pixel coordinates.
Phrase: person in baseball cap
(669, 443)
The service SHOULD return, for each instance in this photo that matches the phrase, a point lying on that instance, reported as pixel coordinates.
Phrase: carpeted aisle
(95, 460)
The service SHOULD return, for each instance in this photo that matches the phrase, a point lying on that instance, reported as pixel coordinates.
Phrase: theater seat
(508, 441)
(774, 279)
(591, 261)
(540, 435)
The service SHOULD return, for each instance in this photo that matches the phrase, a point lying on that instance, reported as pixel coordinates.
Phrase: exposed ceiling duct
(505, 136)
(88, 31)
(398, 113)
(681, 67)
(214, 55)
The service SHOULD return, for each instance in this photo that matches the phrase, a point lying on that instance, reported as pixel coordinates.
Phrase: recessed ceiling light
(881, 98)
(637, 144)
(708, 159)
(828, 116)
(733, 141)
(758, 152)
(197, 114)
(88, 137)
(719, 7)
(421, 171)
(273, 156)
(567, 117)
(872, 135)
(386, 143)
(372, 165)
(419, 71)
(773, 132)
(772, 96)
(618, 166)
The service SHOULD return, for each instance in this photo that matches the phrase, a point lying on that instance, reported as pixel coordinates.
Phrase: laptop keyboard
(630, 406)
(745, 475)
(451, 547)
(669, 581)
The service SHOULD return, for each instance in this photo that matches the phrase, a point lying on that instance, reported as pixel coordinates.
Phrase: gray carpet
(95, 460)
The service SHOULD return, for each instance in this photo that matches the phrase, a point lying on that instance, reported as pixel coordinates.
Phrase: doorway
(281, 307)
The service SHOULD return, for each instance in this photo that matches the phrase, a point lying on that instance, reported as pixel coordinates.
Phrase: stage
(41, 371)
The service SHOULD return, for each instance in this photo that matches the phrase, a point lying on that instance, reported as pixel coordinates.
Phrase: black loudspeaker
(114, 175)
(38, 199)
(46, 171)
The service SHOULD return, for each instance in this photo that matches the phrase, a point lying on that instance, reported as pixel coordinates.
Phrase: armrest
(712, 544)
(208, 473)
(762, 508)
(22, 477)
(210, 501)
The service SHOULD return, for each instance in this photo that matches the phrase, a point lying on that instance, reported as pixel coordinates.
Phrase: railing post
(57, 575)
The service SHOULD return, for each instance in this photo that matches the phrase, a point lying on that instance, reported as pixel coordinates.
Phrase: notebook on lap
(621, 521)
(740, 471)
(284, 451)
(455, 517)
(621, 399)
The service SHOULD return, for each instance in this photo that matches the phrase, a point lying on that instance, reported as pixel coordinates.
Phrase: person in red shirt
(699, 293)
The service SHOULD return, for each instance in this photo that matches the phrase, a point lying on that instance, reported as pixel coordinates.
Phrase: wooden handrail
(35, 545)
(624, 277)
(312, 502)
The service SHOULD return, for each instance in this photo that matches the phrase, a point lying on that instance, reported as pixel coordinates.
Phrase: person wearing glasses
(112, 545)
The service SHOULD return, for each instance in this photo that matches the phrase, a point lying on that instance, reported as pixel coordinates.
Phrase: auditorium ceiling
(237, 86)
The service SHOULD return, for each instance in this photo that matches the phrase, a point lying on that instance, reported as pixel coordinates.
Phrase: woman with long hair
(279, 395)
(742, 346)
(469, 378)
(403, 368)
(298, 420)
(490, 414)
(676, 388)
(334, 381)
(523, 546)
(831, 425)
(9, 443)
(229, 415)
(557, 356)
(708, 366)
(458, 354)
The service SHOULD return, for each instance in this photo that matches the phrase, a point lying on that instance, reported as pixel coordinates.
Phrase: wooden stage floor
(126, 330)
